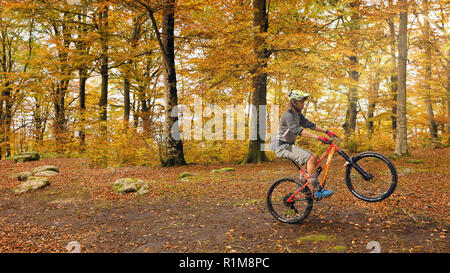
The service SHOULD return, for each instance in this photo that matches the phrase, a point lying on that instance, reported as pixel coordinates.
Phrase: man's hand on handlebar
(331, 134)
(324, 140)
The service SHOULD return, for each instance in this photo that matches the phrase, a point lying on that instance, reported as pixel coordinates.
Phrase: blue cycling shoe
(323, 193)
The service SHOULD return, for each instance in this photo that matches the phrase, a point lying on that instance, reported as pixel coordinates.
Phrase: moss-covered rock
(26, 156)
(144, 189)
(23, 176)
(45, 168)
(128, 185)
(33, 183)
(46, 173)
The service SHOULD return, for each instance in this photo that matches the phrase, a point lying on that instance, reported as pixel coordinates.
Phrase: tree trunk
(61, 85)
(144, 111)
(259, 83)
(352, 111)
(6, 62)
(427, 87)
(393, 77)
(135, 107)
(60, 119)
(126, 81)
(1, 125)
(82, 72)
(104, 69)
(82, 101)
(5, 132)
(448, 93)
(174, 152)
(401, 147)
(430, 115)
(38, 123)
(373, 98)
(126, 99)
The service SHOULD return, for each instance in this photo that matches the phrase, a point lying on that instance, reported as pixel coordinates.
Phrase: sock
(314, 180)
(302, 178)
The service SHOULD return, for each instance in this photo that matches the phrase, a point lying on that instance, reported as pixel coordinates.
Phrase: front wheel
(382, 173)
(286, 209)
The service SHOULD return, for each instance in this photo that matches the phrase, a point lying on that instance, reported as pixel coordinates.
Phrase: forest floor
(223, 212)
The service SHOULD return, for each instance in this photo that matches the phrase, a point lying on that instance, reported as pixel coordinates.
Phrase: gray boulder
(46, 173)
(45, 168)
(26, 156)
(23, 176)
(33, 183)
(127, 185)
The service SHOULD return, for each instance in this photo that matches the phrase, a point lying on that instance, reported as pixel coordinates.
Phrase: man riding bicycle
(292, 124)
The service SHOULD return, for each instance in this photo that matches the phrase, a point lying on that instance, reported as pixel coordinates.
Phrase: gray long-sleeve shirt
(292, 125)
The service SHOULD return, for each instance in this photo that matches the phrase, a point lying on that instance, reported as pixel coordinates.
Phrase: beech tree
(174, 154)
(401, 146)
(259, 81)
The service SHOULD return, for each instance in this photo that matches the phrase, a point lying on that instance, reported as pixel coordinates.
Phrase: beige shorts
(294, 153)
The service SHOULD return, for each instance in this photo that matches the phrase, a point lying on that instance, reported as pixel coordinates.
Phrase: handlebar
(332, 138)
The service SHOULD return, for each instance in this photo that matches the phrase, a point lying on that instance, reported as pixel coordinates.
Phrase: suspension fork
(355, 165)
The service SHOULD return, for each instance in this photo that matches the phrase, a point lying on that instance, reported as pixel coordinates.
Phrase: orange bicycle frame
(332, 149)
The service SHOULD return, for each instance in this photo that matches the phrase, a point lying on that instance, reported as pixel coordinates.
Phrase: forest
(99, 79)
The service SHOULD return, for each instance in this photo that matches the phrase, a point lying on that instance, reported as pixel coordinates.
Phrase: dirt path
(219, 212)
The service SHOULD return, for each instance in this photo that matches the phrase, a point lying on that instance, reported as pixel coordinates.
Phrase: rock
(127, 185)
(33, 183)
(143, 190)
(26, 156)
(185, 174)
(38, 171)
(223, 170)
(23, 176)
(46, 173)
(45, 168)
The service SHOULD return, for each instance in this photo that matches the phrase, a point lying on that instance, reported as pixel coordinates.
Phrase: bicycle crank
(290, 204)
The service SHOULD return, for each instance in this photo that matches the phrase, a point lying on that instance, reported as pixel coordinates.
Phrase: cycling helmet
(297, 95)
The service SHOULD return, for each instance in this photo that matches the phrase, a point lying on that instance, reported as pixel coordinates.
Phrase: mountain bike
(369, 176)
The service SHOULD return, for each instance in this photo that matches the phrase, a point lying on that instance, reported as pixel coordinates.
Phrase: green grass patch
(247, 202)
(339, 248)
(223, 170)
(415, 161)
(185, 175)
(316, 238)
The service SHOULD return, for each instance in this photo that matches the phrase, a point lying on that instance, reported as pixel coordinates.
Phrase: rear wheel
(286, 209)
(383, 177)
